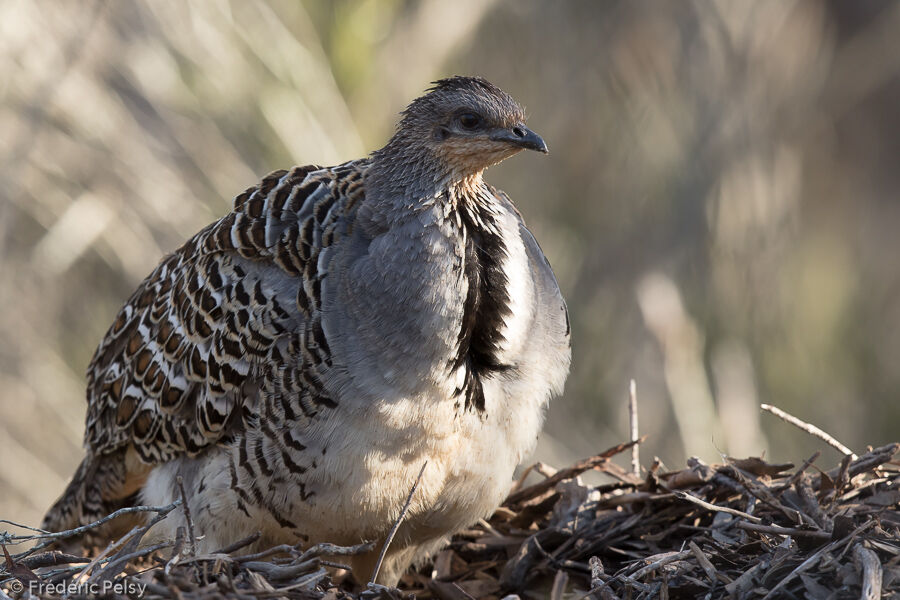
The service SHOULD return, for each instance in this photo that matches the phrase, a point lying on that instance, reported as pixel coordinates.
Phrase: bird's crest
(447, 92)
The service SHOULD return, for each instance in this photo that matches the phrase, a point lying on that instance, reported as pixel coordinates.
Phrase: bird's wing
(183, 362)
(549, 295)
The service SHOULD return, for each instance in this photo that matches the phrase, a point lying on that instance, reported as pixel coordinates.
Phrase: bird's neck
(405, 174)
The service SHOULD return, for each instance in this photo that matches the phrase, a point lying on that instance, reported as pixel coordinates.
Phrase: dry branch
(809, 428)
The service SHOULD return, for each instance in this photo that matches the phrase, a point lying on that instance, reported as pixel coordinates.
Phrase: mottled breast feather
(184, 362)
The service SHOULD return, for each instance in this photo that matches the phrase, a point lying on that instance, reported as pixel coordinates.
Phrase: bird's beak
(522, 137)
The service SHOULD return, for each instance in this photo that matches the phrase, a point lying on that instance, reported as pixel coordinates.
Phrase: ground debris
(743, 529)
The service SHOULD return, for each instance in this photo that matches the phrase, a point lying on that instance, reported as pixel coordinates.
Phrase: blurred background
(720, 202)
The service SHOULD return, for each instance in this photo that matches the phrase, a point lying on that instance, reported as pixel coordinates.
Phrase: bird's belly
(470, 458)
(364, 472)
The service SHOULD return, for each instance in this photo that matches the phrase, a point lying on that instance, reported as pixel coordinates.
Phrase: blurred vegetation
(720, 201)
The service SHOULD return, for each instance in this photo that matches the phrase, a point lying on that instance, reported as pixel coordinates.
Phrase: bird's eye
(469, 120)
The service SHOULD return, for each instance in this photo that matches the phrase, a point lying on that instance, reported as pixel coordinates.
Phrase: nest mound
(744, 529)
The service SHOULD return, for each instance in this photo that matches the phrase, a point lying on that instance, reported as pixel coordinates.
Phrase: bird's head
(465, 124)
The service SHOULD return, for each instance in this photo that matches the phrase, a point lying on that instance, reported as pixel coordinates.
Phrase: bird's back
(182, 365)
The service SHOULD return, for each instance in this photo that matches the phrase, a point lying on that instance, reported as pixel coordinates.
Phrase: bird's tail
(100, 486)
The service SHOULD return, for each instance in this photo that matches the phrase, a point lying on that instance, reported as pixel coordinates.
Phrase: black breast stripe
(487, 303)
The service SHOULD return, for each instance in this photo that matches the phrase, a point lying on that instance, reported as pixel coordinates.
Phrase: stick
(704, 562)
(53, 559)
(713, 507)
(187, 515)
(560, 581)
(870, 460)
(129, 550)
(810, 429)
(7, 522)
(113, 566)
(812, 560)
(162, 510)
(109, 549)
(785, 531)
(633, 420)
(798, 473)
(253, 537)
(872, 572)
(577, 469)
(393, 532)
(661, 561)
(279, 549)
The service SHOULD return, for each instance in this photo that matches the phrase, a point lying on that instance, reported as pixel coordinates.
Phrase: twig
(14, 524)
(560, 581)
(668, 557)
(798, 473)
(573, 471)
(279, 549)
(393, 532)
(113, 566)
(633, 420)
(129, 550)
(544, 470)
(332, 550)
(713, 507)
(489, 528)
(517, 485)
(464, 592)
(307, 582)
(282, 572)
(872, 572)
(540, 468)
(108, 550)
(312, 552)
(187, 515)
(602, 588)
(704, 562)
(160, 510)
(812, 560)
(809, 428)
(632, 498)
(53, 559)
(868, 461)
(785, 531)
(175, 556)
(253, 537)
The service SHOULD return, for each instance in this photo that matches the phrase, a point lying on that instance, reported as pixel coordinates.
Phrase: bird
(342, 336)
